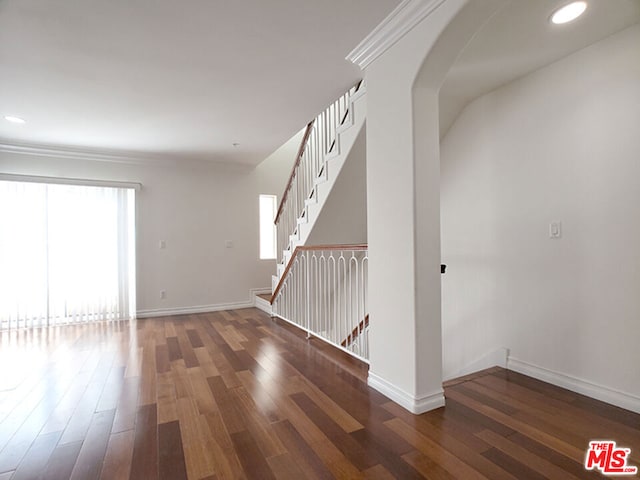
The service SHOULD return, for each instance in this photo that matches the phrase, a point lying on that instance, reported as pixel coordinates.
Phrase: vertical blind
(67, 254)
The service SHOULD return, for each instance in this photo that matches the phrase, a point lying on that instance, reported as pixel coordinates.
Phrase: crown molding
(123, 157)
(82, 154)
(397, 24)
(85, 182)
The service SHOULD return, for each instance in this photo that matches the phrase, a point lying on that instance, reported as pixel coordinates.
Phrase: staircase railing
(324, 292)
(318, 142)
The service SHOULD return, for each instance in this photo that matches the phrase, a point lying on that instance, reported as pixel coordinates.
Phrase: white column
(403, 194)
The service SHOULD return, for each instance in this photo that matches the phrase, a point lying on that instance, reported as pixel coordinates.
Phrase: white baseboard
(264, 305)
(261, 303)
(584, 387)
(187, 310)
(164, 312)
(495, 358)
(416, 405)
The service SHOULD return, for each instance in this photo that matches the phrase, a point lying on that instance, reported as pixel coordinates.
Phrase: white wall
(195, 208)
(403, 186)
(343, 218)
(560, 144)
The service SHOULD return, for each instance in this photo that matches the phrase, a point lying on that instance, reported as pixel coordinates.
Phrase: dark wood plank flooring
(236, 395)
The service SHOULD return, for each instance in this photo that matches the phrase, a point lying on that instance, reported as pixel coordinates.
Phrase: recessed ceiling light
(568, 13)
(12, 119)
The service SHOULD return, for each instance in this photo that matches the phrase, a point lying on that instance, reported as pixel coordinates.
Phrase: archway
(403, 202)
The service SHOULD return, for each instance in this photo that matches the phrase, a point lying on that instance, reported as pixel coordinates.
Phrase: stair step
(263, 304)
(323, 173)
(334, 152)
(344, 138)
(319, 180)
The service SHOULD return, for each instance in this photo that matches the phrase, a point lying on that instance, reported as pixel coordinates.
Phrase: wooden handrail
(303, 144)
(355, 332)
(302, 248)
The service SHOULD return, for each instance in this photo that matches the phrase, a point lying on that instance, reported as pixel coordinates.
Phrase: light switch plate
(555, 230)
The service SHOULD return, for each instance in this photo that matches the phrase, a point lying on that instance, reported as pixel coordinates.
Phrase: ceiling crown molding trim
(77, 154)
(124, 157)
(399, 22)
(85, 182)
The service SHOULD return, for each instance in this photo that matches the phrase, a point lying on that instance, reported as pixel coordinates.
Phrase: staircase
(324, 149)
(324, 292)
(323, 289)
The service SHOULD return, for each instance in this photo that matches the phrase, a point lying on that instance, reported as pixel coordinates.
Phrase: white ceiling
(175, 78)
(520, 39)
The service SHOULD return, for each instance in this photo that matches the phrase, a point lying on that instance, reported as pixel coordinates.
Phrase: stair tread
(339, 149)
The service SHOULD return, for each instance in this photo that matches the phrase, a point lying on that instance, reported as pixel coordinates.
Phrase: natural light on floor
(67, 253)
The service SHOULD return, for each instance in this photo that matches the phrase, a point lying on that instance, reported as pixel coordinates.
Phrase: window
(268, 208)
(67, 253)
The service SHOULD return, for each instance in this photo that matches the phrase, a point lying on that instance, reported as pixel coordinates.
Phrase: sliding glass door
(67, 254)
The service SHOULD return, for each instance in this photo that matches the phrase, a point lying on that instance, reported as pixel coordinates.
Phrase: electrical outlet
(163, 294)
(228, 243)
(162, 244)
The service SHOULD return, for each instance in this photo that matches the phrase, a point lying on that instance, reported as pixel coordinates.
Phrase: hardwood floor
(236, 395)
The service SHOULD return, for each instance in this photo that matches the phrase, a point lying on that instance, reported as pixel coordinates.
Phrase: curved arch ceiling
(520, 39)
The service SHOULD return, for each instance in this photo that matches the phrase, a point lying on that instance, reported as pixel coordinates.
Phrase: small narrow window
(268, 206)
